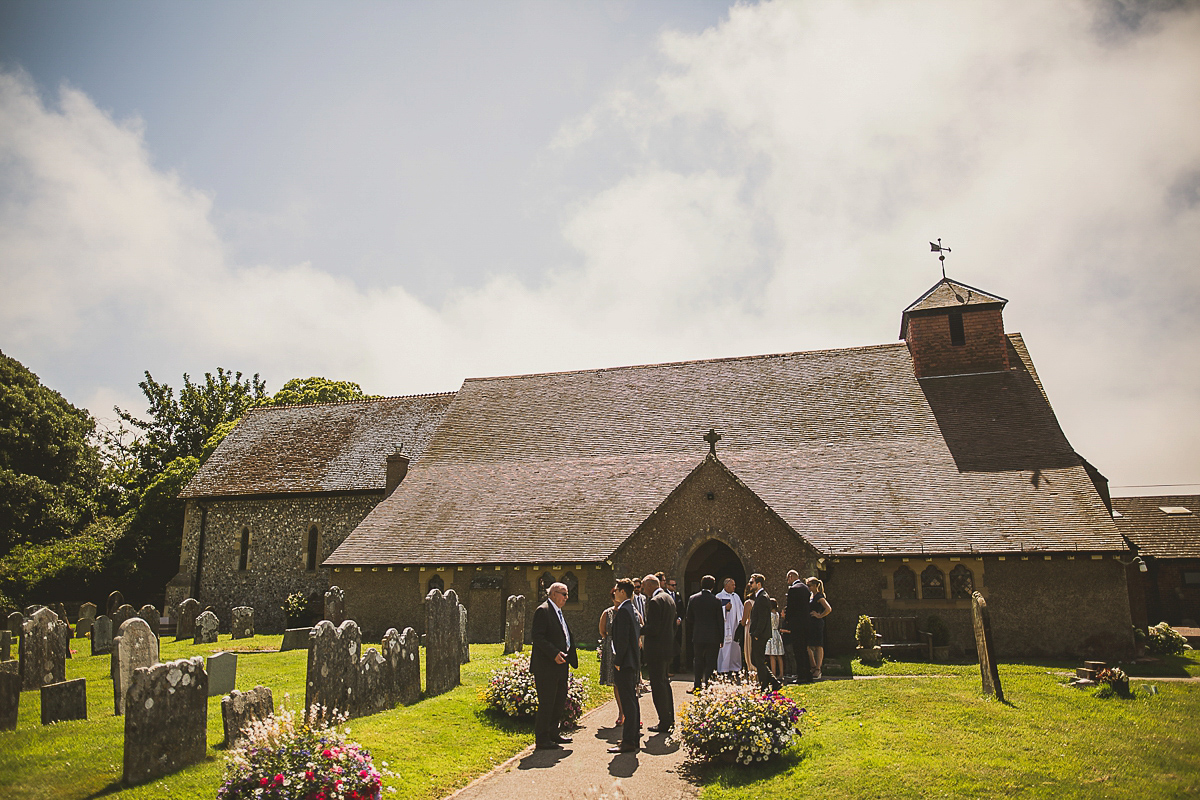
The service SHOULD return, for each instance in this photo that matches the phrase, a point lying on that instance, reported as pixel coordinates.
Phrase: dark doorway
(716, 559)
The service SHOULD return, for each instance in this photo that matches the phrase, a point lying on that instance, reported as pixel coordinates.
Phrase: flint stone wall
(166, 719)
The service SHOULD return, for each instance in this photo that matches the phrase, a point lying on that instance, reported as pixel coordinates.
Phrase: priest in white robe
(729, 657)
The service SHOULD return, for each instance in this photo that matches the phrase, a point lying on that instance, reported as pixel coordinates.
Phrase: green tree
(317, 390)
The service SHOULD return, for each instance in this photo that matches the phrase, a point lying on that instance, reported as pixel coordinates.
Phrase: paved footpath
(583, 769)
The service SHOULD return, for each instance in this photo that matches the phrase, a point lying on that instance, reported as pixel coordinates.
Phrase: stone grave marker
(102, 638)
(239, 709)
(982, 620)
(443, 649)
(185, 625)
(64, 701)
(243, 624)
(87, 618)
(335, 605)
(514, 624)
(122, 613)
(401, 652)
(43, 650)
(370, 688)
(333, 655)
(32, 609)
(5, 644)
(115, 601)
(166, 719)
(60, 611)
(64, 632)
(222, 673)
(296, 639)
(206, 628)
(10, 695)
(464, 656)
(15, 620)
(134, 648)
(152, 617)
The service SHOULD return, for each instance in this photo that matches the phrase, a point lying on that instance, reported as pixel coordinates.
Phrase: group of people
(641, 632)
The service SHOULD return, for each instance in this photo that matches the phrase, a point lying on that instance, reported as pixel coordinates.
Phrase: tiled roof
(1157, 533)
(326, 447)
(847, 446)
(948, 293)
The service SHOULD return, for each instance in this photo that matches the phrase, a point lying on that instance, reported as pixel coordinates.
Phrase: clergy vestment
(729, 657)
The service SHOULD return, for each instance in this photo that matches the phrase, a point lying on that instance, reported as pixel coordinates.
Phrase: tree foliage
(317, 390)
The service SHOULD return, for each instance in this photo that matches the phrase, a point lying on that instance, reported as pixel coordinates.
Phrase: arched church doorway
(712, 558)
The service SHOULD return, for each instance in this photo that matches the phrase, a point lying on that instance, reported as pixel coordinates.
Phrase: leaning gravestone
(443, 649)
(296, 639)
(982, 620)
(64, 701)
(60, 611)
(333, 655)
(102, 638)
(43, 650)
(464, 656)
(152, 617)
(370, 689)
(122, 613)
(514, 624)
(401, 652)
(15, 620)
(136, 647)
(240, 709)
(10, 695)
(5, 644)
(87, 618)
(243, 624)
(187, 611)
(206, 628)
(115, 601)
(222, 673)
(335, 605)
(166, 719)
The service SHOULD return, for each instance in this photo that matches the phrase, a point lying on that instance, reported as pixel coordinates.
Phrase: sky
(408, 194)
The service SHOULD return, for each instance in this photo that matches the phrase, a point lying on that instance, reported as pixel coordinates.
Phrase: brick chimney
(955, 329)
(397, 468)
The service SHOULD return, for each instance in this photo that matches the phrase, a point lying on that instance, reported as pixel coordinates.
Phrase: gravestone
(296, 639)
(243, 624)
(370, 688)
(43, 650)
(240, 709)
(87, 618)
(333, 655)
(115, 601)
(10, 695)
(185, 626)
(122, 613)
(15, 620)
(982, 620)
(166, 719)
(5, 644)
(401, 651)
(514, 624)
(222, 673)
(102, 638)
(443, 636)
(464, 655)
(152, 617)
(134, 648)
(335, 605)
(33, 609)
(206, 628)
(64, 632)
(64, 701)
(60, 611)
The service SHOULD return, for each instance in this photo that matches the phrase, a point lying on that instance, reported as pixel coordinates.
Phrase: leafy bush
(738, 722)
(510, 691)
(1163, 640)
(865, 633)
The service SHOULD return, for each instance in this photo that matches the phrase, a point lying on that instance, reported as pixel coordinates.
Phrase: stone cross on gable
(712, 438)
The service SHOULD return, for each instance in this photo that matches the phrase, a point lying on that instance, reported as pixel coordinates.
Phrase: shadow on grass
(705, 773)
(495, 720)
(112, 788)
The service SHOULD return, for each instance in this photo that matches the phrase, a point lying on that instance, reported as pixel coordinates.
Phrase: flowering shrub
(510, 691)
(1163, 640)
(738, 722)
(288, 759)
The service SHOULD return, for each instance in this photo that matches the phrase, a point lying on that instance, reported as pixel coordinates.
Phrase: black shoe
(623, 749)
(660, 728)
(549, 746)
(563, 740)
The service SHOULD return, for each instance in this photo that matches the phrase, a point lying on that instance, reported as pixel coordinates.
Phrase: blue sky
(407, 194)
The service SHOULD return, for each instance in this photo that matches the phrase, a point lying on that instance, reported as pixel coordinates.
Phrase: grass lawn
(435, 746)
(938, 737)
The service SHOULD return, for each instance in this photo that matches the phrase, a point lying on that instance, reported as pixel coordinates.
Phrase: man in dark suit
(706, 621)
(553, 656)
(658, 649)
(795, 623)
(760, 633)
(627, 666)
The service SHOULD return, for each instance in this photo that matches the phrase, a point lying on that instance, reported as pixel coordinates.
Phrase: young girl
(775, 646)
(819, 609)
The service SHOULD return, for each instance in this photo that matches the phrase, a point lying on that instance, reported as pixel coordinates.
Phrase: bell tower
(955, 329)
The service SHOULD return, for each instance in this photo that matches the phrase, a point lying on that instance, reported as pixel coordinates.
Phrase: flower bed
(510, 691)
(285, 758)
(738, 722)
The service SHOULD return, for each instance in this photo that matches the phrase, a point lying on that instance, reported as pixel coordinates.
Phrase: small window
(244, 552)
(933, 584)
(904, 581)
(1175, 511)
(310, 561)
(572, 587)
(957, 335)
(435, 582)
(962, 583)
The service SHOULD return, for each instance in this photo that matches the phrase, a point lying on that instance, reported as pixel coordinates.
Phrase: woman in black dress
(819, 609)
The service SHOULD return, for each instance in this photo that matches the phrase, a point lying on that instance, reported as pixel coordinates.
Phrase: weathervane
(941, 251)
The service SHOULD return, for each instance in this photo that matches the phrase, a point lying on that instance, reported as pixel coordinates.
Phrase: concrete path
(583, 769)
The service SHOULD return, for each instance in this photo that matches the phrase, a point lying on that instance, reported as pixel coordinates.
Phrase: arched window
(962, 583)
(933, 584)
(435, 582)
(244, 552)
(310, 561)
(572, 586)
(544, 584)
(904, 581)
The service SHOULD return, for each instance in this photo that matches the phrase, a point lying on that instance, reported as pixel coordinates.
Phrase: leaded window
(933, 584)
(962, 583)
(904, 581)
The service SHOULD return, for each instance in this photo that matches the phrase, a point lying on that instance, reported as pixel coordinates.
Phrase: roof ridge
(350, 402)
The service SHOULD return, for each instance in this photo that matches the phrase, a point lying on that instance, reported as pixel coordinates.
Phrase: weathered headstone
(514, 624)
(115, 601)
(87, 618)
(30, 610)
(152, 617)
(6, 638)
(222, 673)
(43, 650)
(64, 701)
(122, 613)
(134, 648)
(166, 719)
(185, 625)
(102, 638)
(401, 652)
(296, 639)
(60, 611)
(982, 620)
(333, 655)
(243, 624)
(206, 628)
(64, 632)
(443, 649)
(335, 605)
(464, 656)
(240, 709)
(10, 695)
(15, 620)
(370, 689)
